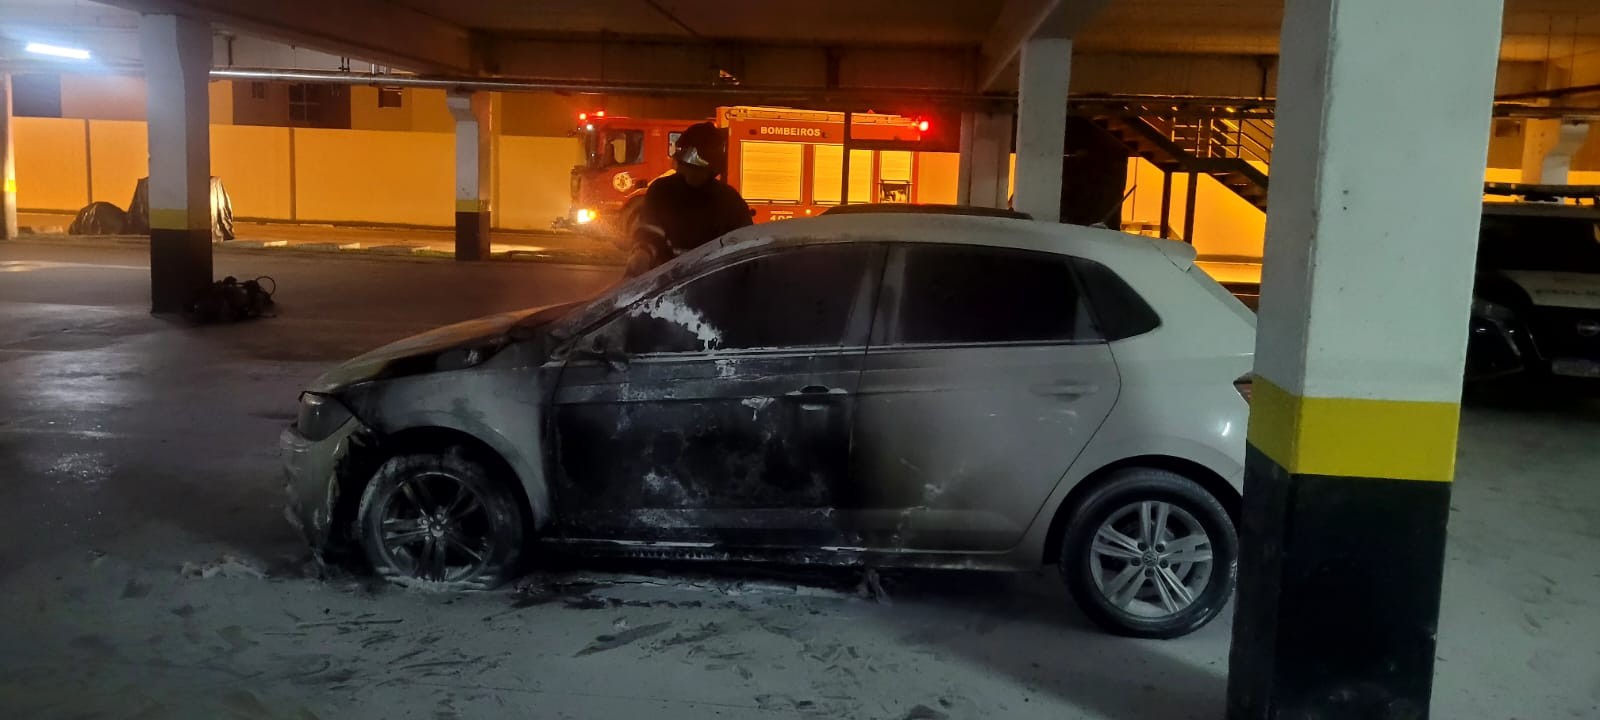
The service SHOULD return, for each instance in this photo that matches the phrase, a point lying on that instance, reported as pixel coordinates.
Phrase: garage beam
(1021, 20)
(1352, 439)
(372, 30)
(730, 66)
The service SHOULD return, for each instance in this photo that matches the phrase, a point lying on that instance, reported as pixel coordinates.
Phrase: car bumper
(310, 470)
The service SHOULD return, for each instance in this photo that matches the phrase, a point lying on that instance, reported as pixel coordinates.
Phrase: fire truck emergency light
(583, 116)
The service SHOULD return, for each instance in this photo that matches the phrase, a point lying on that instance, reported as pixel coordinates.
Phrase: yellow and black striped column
(8, 166)
(1382, 132)
(474, 134)
(177, 59)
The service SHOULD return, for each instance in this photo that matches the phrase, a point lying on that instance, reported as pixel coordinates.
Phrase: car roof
(1542, 209)
(1099, 244)
(930, 209)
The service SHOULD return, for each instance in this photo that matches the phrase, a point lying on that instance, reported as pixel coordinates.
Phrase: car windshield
(1541, 243)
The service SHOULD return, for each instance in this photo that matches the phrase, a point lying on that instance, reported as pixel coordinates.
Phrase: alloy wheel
(436, 527)
(1151, 559)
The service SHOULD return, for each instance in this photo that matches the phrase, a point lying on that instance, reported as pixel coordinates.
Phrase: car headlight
(319, 416)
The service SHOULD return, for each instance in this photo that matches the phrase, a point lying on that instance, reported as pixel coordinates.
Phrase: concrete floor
(550, 245)
(146, 570)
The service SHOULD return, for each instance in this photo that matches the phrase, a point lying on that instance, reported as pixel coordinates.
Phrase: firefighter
(690, 207)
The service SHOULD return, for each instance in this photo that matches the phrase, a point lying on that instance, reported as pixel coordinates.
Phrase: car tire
(1162, 582)
(441, 519)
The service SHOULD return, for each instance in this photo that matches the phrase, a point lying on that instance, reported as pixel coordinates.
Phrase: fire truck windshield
(609, 147)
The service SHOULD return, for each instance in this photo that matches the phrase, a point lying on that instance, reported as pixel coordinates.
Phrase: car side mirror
(601, 347)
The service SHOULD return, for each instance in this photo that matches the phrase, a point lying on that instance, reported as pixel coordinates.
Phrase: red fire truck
(786, 163)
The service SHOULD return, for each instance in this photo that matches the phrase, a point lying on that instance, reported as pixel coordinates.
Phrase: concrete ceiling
(846, 22)
(864, 43)
(1533, 29)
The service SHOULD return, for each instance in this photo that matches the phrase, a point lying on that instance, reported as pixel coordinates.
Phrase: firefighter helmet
(701, 145)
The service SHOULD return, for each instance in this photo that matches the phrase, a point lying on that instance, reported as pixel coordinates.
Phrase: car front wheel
(1149, 553)
(440, 518)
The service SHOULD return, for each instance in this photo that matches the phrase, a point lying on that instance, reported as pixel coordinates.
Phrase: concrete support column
(984, 174)
(474, 173)
(8, 165)
(177, 58)
(1551, 160)
(1382, 133)
(1042, 126)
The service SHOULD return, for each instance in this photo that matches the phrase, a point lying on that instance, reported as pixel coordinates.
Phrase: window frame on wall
(391, 97)
(36, 95)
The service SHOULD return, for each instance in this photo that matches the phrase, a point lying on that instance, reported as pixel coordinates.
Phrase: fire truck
(786, 163)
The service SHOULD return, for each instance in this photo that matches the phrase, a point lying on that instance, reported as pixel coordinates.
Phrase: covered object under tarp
(221, 210)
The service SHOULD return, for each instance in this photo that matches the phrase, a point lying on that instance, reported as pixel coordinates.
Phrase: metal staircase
(1228, 142)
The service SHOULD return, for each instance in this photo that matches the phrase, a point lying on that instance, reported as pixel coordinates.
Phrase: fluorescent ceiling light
(57, 51)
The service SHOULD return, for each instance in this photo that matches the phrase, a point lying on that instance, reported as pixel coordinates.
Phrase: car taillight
(1243, 385)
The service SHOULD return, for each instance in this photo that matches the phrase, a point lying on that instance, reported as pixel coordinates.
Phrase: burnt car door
(719, 410)
(984, 380)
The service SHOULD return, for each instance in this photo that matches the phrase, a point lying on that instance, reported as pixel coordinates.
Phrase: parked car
(922, 390)
(1536, 298)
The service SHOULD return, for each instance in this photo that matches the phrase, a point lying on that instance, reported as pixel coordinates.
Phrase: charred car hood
(416, 352)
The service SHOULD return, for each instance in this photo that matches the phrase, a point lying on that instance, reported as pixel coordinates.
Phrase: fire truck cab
(785, 162)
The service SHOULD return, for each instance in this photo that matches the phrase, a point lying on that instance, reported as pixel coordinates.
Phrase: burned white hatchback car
(887, 390)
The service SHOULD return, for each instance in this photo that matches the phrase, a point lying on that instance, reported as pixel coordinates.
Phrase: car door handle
(813, 397)
(1066, 389)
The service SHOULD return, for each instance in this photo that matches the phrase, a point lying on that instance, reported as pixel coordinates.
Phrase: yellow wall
(1224, 223)
(253, 163)
(534, 181)
(429, 112)
(51, 165)
(382, 177)
(421, 109)
(118, 157)
(937, 176)
(103, 97)
(221, 99)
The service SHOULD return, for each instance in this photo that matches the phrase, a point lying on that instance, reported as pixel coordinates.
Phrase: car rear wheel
(440, 518)
(1149, 553)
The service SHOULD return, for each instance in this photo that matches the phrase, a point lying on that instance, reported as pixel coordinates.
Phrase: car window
(967, 294)
(1551, 244)
(800, 297)
(1120, 312)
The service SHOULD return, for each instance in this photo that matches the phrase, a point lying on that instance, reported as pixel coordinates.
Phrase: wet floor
(146, 570)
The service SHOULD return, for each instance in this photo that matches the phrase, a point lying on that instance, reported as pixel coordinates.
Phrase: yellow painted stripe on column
(9, 187)
(472, 206)
(163, 219)
(1348, 437)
